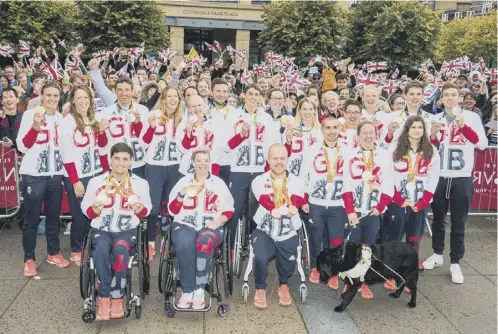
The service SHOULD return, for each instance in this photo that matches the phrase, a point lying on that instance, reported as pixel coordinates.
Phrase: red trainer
(58, 260)
(314, 276)
(30, 268)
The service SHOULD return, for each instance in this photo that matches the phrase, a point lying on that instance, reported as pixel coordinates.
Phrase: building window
(260, 2)
(255, 53)
(444, 17)
(458, 15)
(196, 38)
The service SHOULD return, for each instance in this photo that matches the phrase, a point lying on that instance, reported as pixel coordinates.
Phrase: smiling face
(414, 97)
(120, 163)
(9, 100)
(81, 102)
(450, 98)
(277, 100)
(367, 136)
(352, 115)
(277, 159)
(50, 98)
(330, 129)
(124, 92)
(203, 88)
(370, 97)
(202, 163)
(416, 130)
(220, 94)
(252, 97)
(196, 106)
(307, 112)
(172, 99)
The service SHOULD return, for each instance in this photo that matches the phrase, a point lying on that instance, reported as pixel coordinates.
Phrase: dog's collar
(361, 268)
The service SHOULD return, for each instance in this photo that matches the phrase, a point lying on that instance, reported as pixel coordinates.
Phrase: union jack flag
(490, 73)
(101, 55)
(72, 64)
(231, 51)
(373, 66)
(242, 54)
(79, 48)
(295, 80)
(246, 78)
(133, 54)
(167, 55)
(288, 61)
(35, 60)
(52, 70)
(482, 64)
(273, 58)
(258, 69)
(114, 52)
(6, 50)
(448, 66)
(283, 78)
(24, 49)
(122, 70)
(395, 74)
(210, 47)
(391, 86)
(430, 93)
(218, 46)
(156, 65)
(368, 79)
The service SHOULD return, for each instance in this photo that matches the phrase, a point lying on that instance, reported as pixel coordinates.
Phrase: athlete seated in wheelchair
(280, 195)
(115, 202)
(201, 205)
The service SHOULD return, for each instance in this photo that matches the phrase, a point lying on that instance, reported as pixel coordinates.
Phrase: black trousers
(456, 193)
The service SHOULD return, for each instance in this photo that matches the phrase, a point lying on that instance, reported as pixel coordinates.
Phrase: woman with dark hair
(487, 109)
(161, 158)
(368, 189)
(81, 138)
(416, 174)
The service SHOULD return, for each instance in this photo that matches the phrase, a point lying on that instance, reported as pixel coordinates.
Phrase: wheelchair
(303, 264)
(220, 272)
(243, 234)
(88, 278)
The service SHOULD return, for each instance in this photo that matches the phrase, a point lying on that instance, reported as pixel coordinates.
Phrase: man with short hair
(115, 202)
(124, 123)
(10, 73)
(280, 194)
(10, 118)
(203, 89)
(460, 133)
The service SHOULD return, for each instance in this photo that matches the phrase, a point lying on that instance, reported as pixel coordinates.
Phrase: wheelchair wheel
(227, 269)
(143, 264)
(305, 255)
(238, 247)
(163, 254)
(85, 266)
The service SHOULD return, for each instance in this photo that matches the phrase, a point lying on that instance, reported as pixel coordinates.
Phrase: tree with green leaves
(37, 22)
(304, 28)
(474, 37)
(404, 33)
(107, 24)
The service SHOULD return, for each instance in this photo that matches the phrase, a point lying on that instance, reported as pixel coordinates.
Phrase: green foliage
(474, 37)
(107, 24)
(96, 24)
(305, 28)
(36, 21)
(400, 32)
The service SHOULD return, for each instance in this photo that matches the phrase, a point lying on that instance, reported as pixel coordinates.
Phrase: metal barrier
(10, 199)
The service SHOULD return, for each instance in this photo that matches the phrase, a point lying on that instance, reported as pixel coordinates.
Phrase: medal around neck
(366, 176)
(101, 199)
(39, 110)
(284, 211)
(133, 199)
(130, 118)
(410, 186)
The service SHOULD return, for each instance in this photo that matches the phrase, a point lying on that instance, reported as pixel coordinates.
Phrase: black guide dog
(398, 256)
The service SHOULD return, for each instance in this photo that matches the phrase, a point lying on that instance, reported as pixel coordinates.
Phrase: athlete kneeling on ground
(280, 195)
(115, 202)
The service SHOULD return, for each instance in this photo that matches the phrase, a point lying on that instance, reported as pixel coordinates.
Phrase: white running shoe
(435, 260)
(67, 231)
(456, 273)
(198, 301)
(185, 300)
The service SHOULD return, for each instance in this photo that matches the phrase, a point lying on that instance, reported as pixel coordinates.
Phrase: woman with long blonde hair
(302, 134)
(161, 160)
(81, 138)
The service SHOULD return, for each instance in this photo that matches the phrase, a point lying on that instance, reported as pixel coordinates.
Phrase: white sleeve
(26, 125)
(433, 173)
(90, 195)
(257, 186)
(226, 200)
(107, 96)
(144, 194)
